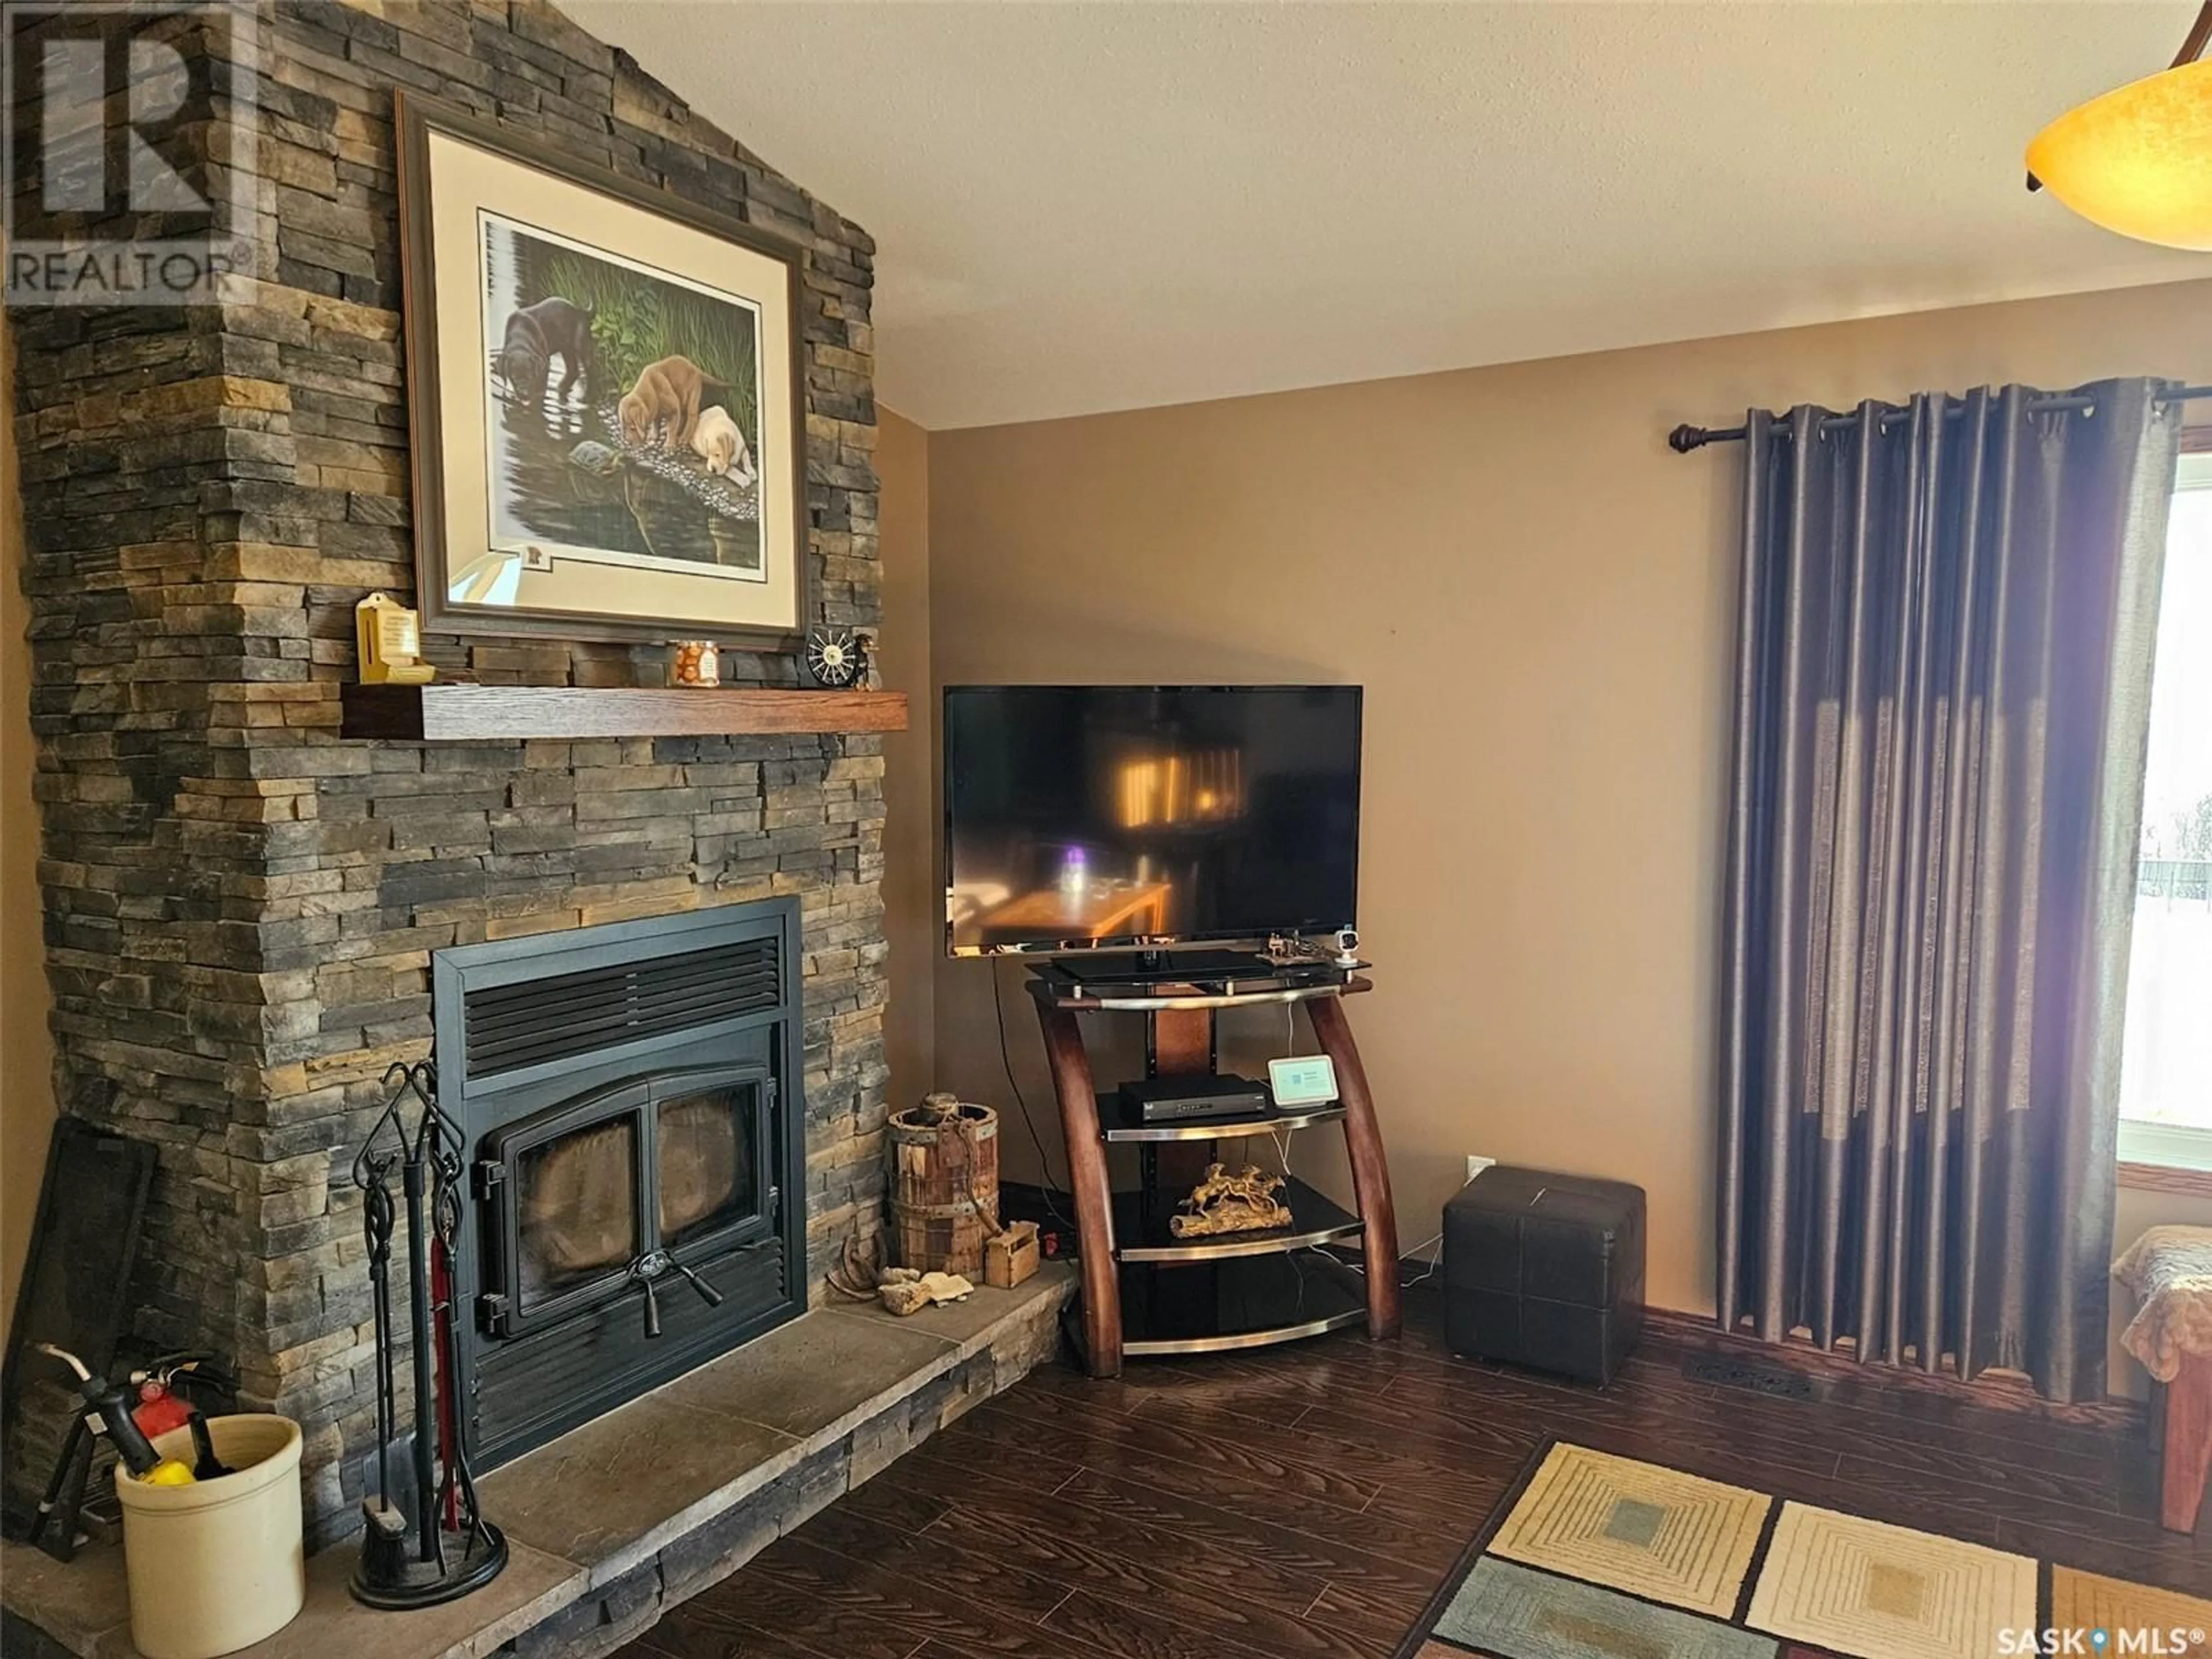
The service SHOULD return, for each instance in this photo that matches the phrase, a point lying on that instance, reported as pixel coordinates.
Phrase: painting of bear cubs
(624, 407)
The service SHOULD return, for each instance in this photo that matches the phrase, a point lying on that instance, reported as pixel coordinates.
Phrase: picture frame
(606, 400)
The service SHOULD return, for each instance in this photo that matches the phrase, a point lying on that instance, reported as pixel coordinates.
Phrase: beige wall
(26, 1094)
(1537, 594)
(910, 883)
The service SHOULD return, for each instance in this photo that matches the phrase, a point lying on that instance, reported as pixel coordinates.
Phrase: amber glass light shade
(2137, 161)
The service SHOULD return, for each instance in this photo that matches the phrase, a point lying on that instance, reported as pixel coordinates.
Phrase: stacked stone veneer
(240, 905)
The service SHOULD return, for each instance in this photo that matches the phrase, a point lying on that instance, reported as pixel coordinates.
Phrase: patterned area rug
(1597, 1557)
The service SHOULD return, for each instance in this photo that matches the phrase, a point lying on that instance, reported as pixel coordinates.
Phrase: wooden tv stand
(1146, 1294)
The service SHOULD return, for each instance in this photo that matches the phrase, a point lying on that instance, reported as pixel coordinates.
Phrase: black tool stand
(426, 1541)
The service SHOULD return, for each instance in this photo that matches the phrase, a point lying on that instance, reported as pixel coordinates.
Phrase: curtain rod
(1684, 439)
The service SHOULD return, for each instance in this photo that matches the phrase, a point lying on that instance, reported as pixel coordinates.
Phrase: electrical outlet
(1476, 1164)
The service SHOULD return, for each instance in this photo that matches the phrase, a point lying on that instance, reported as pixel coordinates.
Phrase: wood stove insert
(630, 1095)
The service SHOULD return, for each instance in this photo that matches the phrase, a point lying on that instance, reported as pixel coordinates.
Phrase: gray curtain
(1942, 707)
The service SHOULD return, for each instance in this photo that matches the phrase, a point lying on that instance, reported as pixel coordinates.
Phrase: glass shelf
(1244, 1302)
(1158, 996)
(1315, 1219)
(1117, 1125)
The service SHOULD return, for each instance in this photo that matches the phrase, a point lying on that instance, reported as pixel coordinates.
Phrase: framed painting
(605, 401)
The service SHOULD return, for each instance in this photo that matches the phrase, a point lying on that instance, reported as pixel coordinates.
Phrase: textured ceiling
(1090, 206)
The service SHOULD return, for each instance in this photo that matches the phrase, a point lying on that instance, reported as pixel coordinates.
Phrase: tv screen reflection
(1094, 815)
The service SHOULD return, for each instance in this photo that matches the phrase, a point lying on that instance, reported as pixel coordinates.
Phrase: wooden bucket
(945, 1185)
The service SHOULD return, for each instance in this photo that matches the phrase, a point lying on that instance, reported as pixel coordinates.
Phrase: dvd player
(1186, 1099)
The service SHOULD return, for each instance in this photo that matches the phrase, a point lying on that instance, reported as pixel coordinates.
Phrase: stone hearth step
(639, 1509)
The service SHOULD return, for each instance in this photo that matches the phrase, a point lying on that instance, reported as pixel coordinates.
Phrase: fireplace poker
(377, 1220)
(441, 1314)
(456, 1497)
(414, 1180)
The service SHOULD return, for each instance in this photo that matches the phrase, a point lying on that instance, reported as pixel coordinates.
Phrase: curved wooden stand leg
(1094, 1197)
(1371, 1173)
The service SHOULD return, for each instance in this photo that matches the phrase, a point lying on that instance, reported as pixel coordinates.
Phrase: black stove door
(592, 1199)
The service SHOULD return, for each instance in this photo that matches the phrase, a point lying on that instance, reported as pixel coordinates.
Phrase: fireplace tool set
(427, 1542)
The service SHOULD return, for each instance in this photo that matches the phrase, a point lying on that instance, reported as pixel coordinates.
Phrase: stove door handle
(648, 1268)
(708, 1293)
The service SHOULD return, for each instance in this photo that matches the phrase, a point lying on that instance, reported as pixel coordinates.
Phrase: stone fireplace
(249, 917)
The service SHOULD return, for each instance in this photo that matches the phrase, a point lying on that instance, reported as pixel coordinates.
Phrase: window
(2166, 1081)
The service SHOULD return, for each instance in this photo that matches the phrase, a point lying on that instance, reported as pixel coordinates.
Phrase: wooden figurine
(905, 1291)
(1224, 1203)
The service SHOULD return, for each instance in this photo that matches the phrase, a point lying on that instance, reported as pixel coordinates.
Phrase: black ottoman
(1545, 1270)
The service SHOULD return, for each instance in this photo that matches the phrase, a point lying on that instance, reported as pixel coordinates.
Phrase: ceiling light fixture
(2138, 159)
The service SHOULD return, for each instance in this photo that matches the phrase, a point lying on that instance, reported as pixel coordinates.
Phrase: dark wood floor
(1307, 1500)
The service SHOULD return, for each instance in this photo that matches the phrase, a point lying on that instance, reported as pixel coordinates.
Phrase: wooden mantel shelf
(507, 714)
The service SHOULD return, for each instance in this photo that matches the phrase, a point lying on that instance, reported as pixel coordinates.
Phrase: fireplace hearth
(630, 1099)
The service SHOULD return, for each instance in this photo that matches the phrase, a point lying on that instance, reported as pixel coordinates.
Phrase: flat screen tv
(1085, 817)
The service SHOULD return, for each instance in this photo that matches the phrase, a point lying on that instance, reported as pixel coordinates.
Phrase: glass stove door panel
(576, 1209)
(708, 1159)
(591, 1190)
